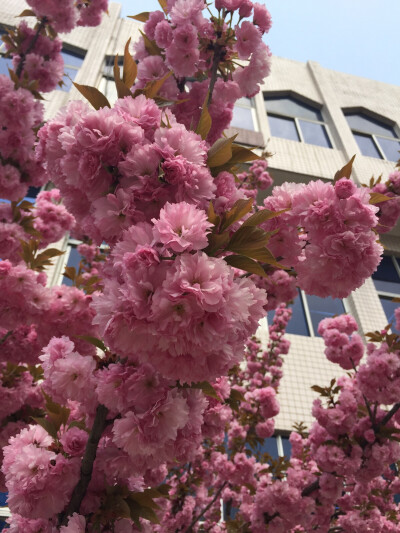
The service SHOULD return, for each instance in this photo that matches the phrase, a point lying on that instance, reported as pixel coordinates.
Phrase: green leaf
(239, 209)
(27, 13)
(377, 198)
(122, 89)
(207, 389)
(70, 273)
(212, 216)
(141, 17)
(164, 6)
(25, 205)
(150, 45)
(130, 67)
(216, 241)
(152, 88)
(205, 122)
(47, 425)
(234, 400)
(42, 260)
(57, 413)
(93, 96)
(246, 264)
(79, 424)
(220, 152)
(145, 499)
(318, 389)
(249, 237)
(240, 154)
(344, 172)
(261, 216)
(93, 340)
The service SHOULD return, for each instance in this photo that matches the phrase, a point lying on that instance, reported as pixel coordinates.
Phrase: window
(387, 284)
(107, 84)
(72, 259)
(5, 62)
(308, 311)
(374, 138)
(289, 118)
(72, 63)
(244, 115)
(276, 446)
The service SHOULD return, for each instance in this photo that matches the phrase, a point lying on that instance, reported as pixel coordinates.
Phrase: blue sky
(355, 36)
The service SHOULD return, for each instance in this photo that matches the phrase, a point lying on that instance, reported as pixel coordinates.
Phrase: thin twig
(207, 507)
(79, 492)
(31, 46)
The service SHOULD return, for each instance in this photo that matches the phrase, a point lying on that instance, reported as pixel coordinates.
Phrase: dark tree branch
(206, 508)
(310, 488)
(389, 415)
(214, 71)
(79, 492)
(31, 46)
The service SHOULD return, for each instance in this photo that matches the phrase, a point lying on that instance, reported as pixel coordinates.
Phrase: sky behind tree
(358, 37)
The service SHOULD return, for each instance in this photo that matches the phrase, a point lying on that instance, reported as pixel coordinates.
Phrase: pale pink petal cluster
(334, 248)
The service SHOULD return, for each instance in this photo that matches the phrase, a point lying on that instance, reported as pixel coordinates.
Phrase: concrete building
(313, 120)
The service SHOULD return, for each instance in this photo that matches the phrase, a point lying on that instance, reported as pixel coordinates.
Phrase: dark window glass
(270, 447)
(390, 148)
(367, 145)
(72, 59)
(33, 192)
(386, 277)
(291, 107)
(389, 306)
(314, 134)
(5, 64)
(74, 259)
(298, 323)
(72, 63)
(369, 125)
(287, 447)
(283, 127)
(321, 308)
(242, 118)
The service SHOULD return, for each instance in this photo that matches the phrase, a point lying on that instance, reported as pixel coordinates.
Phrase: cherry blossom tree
(139, 398)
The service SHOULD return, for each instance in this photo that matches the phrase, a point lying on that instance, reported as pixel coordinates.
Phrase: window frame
(372, 136)
(297, 119)
(253, 111)
(107, 76)
(307, 315)
(80, 54)
(386, 295)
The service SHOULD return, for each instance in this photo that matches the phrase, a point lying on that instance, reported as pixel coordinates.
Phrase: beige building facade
(313, 120)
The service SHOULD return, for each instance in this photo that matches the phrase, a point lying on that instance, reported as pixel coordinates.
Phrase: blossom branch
(31, 46)
(79, 492)
(207, 507)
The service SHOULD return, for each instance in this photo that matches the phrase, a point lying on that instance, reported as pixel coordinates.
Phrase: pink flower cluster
(343, 346)
(326, 235)
(39, 481)
(279, 286)
(42, 62)
(255, 179)
(64, 18)
(11, 234)
(389, 210)
(52, 219)
(188, 44)
(20, 114)
(187, 315)
(34, 313)
(116, 167)
(379, 377)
